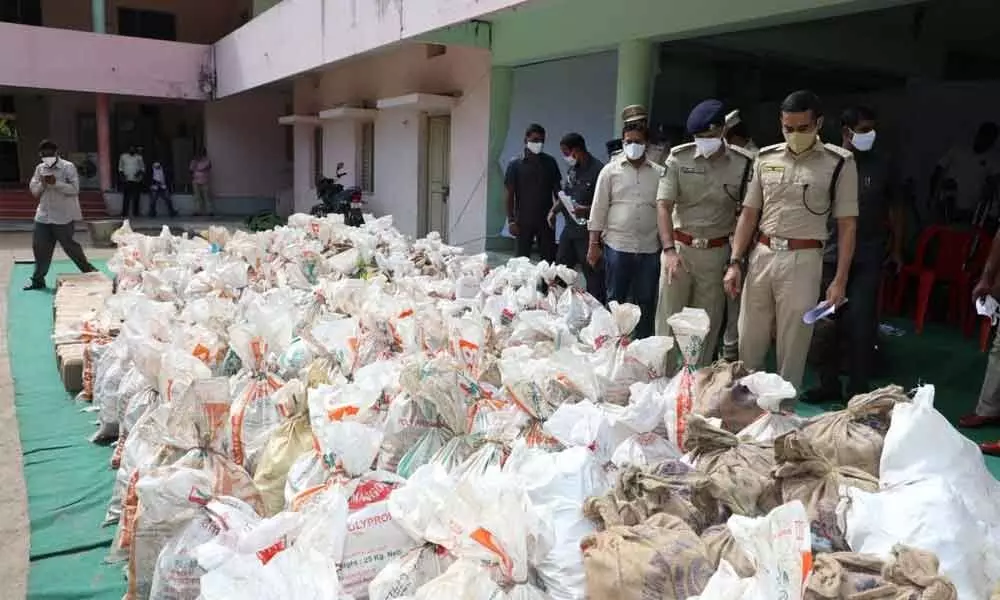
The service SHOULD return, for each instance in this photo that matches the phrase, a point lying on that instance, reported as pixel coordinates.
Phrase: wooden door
(438, 172)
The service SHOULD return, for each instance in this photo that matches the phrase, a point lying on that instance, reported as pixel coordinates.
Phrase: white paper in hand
(822, 310)
(987, 306)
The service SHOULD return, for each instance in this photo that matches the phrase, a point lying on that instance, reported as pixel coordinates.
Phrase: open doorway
(438, 171)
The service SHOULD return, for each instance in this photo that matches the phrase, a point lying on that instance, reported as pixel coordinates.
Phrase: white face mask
(534, 147)
(50, 161)
(634, 151)
(863, 142)
(707, 146)
(570, 160)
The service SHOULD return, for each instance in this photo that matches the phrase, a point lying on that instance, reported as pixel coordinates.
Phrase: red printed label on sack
(265, 555)
(369, 492)
(684, 403)
(196, 496)
(647, 439)
(506, 316)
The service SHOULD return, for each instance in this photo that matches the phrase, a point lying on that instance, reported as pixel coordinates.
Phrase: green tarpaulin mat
(69, 481)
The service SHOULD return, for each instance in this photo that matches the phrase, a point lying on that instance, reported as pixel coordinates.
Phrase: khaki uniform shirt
(793, 191)
(624, 206)
(705, 192)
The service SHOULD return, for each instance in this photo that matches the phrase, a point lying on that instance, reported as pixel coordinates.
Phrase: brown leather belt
(787, 244)
(701, 243)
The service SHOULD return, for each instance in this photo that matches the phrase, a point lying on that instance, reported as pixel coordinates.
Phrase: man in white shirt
(57, 187)
(133, 171)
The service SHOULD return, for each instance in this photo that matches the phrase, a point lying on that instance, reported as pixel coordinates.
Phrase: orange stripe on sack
(486, 540)
(338, 414)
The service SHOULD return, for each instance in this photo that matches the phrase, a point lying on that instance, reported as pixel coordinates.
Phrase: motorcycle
(334, 198)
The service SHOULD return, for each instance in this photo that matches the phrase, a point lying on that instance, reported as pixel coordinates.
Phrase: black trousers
(131, 198)
(540, 233)
(43, 244)
(155, 194)
(852, 334)
(572, 252)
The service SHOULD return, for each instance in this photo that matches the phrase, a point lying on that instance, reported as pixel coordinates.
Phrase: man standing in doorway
(623, 227)
(794, 187)
(57, 187)
(133, 173)
(697, 200)
(855, 328)
(201, 175)
(532, 186)
(581, 180)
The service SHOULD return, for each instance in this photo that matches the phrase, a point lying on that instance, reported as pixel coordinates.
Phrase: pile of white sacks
(326, 412)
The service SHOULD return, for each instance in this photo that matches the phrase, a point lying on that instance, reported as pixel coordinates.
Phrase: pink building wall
(247, 146)
(399, 140)
(59, 59)
(296, 36)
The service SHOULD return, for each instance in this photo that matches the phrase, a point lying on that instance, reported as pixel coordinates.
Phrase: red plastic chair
(948, 266)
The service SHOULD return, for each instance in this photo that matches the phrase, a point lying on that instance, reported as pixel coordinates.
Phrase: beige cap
(634, 112)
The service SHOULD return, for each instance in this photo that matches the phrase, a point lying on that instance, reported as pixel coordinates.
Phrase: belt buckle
(699, 243)
(780, 244)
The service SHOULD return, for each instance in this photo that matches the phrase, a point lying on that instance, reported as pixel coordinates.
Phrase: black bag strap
(833, 180)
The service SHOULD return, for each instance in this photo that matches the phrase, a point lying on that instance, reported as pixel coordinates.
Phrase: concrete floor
(14, 531)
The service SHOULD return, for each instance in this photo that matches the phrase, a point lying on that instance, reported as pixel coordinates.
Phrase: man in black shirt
(532, 184)
(581, 179)
(852, 333)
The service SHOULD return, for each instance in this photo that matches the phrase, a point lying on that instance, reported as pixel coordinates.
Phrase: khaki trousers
(699, 285)
(731, 336)
(989, 395)
(781, 286)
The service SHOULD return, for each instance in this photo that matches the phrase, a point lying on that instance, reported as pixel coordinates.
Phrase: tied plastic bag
(936, 495)
(373, 537)
(254, 414)
(489, 523)
(644, 450)
(690, 326)
(178, 574)
(405, 575)
(290, 440)
(929, 515)
(617, 361)
(770, 391)
(780, 548)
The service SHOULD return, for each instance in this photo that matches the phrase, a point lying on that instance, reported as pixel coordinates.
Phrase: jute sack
(670, 488)
(712, 385)
(662, 558)
(853, 437)
(806, 475)
(909, 574)
(721, 545)
(739, 472)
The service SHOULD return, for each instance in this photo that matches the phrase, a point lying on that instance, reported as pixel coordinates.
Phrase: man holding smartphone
(57, 187)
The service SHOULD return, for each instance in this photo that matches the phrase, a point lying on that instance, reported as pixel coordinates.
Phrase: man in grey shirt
(57, 187)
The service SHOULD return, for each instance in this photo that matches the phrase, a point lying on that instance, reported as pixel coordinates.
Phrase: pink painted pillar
(104, 141)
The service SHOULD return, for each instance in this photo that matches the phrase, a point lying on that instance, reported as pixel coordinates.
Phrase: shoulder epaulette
(839, 151)
(772, 148)
(744, 153)
(682, 148)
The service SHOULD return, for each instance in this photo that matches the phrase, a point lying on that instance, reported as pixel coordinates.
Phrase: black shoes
(33, 285)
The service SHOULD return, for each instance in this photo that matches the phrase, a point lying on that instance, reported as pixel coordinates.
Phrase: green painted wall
(260, 6)
(501, 90)
(560, 28)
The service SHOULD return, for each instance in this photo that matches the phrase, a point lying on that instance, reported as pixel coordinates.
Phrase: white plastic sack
(644, 450)
(770, 390)
(780, 547)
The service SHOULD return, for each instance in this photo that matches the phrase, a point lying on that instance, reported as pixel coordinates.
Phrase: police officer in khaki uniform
(794, 187)
(697, 200)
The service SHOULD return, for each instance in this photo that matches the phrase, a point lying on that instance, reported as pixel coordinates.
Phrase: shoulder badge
(771, 148)
(839, 151)
(744, 153)
(682, 148)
